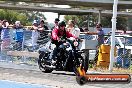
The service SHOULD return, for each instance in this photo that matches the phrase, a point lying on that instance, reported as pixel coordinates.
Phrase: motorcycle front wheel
(82, 63)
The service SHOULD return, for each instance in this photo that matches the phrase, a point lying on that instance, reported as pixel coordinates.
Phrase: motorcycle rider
(56, 37)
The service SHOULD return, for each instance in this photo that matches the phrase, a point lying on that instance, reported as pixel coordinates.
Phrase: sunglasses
(56, 21)
(97, 27)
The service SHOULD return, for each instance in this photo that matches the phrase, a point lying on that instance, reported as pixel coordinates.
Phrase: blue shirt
(19, 35)
(5, 33)
(100, 37)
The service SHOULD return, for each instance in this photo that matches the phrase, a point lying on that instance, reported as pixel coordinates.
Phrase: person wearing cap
(56, 22)
(42, 32)
(35, 25)
(18, 32)
(35, 34)
(56, 36)
(17, 25)
(42, 26)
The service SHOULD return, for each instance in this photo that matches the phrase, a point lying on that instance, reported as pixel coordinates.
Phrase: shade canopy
(61, 11)
(100, 4)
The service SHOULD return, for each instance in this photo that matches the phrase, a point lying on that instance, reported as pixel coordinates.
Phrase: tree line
(92, 19)
(25, 17)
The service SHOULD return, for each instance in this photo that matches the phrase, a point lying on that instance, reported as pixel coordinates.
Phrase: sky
(50, 16)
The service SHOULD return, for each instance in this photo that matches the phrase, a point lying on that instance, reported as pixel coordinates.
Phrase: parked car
(122, 41)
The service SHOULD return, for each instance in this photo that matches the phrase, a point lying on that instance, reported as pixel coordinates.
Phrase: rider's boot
(52, 60)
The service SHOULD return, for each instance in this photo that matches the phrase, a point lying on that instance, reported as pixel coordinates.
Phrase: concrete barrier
(23, 53)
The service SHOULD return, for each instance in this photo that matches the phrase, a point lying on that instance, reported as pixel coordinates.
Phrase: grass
(115, 69)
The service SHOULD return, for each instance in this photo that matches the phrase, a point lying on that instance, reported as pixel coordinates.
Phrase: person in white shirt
(35, 34)
(72, 28)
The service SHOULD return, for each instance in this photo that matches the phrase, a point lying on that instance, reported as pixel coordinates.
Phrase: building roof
(102, 4)
(61, 11)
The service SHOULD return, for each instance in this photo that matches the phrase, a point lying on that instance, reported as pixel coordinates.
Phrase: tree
(26, 17)
(81, 21)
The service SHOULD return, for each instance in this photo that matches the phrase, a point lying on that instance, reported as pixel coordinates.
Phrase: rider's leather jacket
(56, 33)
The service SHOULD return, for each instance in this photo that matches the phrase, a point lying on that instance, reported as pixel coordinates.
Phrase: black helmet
(57, 19)
(62, 23)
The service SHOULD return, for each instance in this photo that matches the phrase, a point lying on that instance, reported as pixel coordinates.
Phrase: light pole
(113, 35)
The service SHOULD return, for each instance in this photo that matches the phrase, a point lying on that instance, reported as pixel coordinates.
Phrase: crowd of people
(38, 28)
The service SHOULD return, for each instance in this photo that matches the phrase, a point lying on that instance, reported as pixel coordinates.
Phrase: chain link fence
(124, 53)
(21, 47)
(123, 57)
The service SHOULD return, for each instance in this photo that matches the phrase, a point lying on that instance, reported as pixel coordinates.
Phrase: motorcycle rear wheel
(42, 64)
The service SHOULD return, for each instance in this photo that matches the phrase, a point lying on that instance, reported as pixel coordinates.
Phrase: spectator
(81, 30)
(42, 26)
(99, 32)
(86, 29)
(35, 34)
(17, 25)
(56, 22)
(43, 33)
(5, 35)
(0, 26)
(100, 37)
(72, 29)
(18, 35)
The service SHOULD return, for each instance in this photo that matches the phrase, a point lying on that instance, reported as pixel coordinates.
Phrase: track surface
(56, 79)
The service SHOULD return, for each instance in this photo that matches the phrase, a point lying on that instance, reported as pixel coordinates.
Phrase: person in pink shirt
(60, 32)
(57, 35)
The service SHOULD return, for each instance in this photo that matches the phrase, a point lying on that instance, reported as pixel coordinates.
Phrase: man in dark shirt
(100, 34)
(56, 23)
(100, 37)
(43, 31)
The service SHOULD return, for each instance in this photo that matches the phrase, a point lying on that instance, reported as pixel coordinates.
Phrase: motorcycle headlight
(66, 45)
(75, 43)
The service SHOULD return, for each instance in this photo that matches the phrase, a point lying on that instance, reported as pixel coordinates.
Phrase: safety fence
(123, 53)
(19, 49)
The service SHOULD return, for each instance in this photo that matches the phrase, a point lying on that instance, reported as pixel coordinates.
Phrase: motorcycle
(69, 57)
